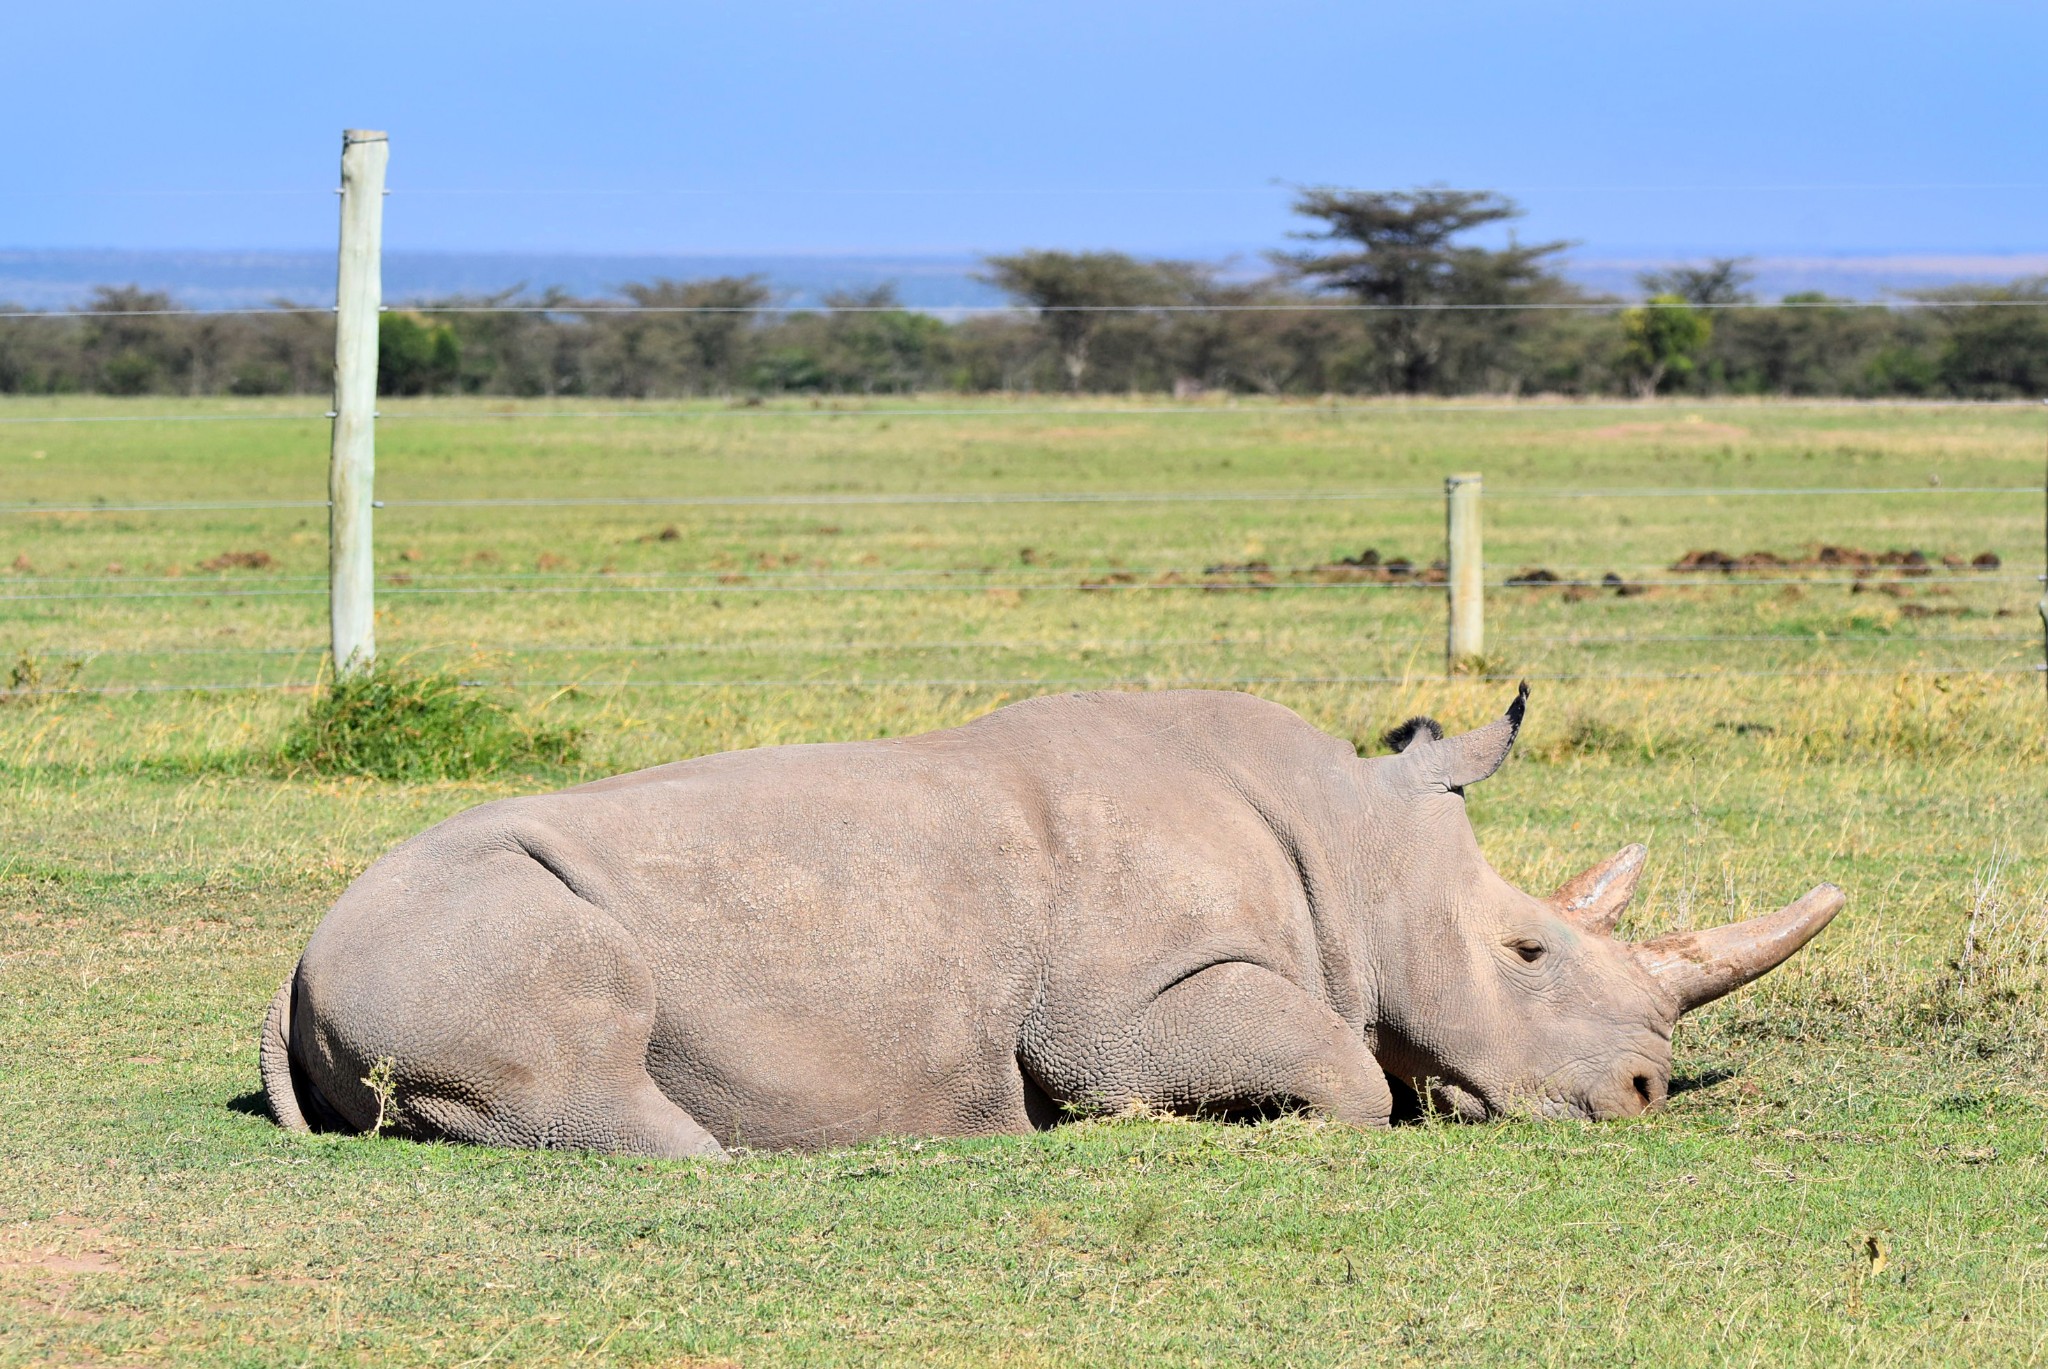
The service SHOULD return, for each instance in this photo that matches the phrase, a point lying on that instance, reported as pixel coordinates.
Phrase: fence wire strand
(571, 309)
(998, 499)
(1011, 646)
(1078, 682)
(1394, 408)
(1029, 587)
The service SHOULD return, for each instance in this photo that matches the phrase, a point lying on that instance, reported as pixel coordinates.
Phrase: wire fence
(1588, 656)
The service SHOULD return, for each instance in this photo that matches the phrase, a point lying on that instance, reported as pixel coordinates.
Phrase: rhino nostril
(1642, 1083)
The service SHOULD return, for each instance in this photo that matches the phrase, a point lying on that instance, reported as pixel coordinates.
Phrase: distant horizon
(64, 278)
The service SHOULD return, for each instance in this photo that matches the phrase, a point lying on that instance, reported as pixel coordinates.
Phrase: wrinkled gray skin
(1184, 900)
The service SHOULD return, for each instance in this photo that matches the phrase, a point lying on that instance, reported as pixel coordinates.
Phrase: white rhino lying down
(1193, 901)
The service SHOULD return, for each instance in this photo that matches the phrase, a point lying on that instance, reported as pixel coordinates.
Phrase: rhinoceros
(1186, 901)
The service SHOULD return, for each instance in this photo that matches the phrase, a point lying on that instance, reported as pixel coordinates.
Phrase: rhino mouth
(1465, 1102)
(1443, 1097)
(1426, 1088)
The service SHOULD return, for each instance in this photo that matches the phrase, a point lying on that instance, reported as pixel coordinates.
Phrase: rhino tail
(274, 1058)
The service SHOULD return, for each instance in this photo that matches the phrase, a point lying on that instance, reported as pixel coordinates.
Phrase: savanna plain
(1854, 1163)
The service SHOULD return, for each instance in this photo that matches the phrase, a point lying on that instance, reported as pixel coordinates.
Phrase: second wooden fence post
(1466, 577)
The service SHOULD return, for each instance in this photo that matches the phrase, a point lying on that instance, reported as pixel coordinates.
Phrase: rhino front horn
(1699, 967)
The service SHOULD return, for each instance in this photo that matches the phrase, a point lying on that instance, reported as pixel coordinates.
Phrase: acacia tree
(1994, 350)
(875, 344)
(516, 342)
(1723, 280)
(1077, 293)
(127, 348)
(690, 336)
(1401, 251)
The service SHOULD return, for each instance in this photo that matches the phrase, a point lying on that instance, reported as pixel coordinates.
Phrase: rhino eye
(1530, 951)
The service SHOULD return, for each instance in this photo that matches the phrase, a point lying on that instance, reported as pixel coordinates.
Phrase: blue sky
(786, 127)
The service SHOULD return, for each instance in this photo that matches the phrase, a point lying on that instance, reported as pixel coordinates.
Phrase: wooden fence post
(1466, 579)
(352, 463)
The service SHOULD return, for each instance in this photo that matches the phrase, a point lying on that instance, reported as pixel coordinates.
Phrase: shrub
(394, 724)
(415, 357)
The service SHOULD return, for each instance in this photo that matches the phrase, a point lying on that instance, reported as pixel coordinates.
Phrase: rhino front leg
(1238, 1035)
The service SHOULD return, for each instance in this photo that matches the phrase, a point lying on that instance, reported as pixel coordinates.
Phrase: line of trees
(1451, 316)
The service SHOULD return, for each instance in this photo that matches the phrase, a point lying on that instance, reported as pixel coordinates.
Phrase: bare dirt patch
(52, 1262)
(79, 1248)
(239, 560)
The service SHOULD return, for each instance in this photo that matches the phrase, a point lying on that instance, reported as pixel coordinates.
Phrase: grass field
(1853, 1168)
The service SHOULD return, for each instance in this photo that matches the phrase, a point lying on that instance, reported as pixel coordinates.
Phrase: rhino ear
(1469, 757)
(1414, 732)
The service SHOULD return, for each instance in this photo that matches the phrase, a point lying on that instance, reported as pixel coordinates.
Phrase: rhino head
(1496, 1002)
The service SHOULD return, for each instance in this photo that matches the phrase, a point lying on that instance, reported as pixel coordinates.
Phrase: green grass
(1857, 1168)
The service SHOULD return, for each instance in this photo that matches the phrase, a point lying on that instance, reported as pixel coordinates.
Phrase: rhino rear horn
(1595, 900)
(1469, 757)
(1699, 967)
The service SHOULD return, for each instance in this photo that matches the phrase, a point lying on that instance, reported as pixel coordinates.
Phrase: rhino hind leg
(527, 1026)
(1235, 1037)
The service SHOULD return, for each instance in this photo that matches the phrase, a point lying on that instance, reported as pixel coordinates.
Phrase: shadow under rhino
(1189, 901)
